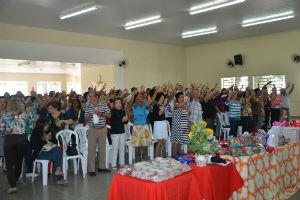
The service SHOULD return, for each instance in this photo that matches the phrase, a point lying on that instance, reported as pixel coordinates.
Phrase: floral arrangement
(280, 123)
(201, 139)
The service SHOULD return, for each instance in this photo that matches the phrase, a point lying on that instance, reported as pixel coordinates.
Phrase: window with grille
(46, 87)
(75, 86)
(277, 80)
(12, 87)
(241, 82)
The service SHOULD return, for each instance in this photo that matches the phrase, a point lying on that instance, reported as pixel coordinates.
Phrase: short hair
(178, 95)
(95, 93)
(117, 99)
(54, 104)
(133, 88)
(15, 105)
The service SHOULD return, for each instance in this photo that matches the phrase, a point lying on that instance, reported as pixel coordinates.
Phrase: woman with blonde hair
(14, 122)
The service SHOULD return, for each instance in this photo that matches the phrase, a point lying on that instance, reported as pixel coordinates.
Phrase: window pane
(277, 80)
(12, 87)
(240, 82)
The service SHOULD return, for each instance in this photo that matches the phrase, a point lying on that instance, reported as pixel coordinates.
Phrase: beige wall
(32, 79)
(90, 73)
(151, 63)
(148, 63)
(264, 55)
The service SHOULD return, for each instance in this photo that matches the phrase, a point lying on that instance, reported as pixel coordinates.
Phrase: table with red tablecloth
(217, 182)
(182, 187)
(213, 182)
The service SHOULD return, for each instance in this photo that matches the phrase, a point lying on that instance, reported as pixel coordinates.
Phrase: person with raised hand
(141, 136)
(285, 96)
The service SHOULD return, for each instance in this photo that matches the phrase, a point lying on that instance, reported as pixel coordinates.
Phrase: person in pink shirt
(276, 102)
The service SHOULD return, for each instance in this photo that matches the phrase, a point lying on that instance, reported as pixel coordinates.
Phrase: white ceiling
(39, 67)
(109, 20)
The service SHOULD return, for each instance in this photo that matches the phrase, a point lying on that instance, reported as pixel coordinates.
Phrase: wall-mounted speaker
(238, 59)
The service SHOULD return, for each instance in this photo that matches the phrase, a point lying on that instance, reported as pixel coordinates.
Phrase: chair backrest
(108, 127)
(168, 128)
(129, 130)
(82, 132)
(221, 119)
(66, 136)
(226, 119)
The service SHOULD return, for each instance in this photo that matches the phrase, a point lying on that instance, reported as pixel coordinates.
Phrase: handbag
(71, 149)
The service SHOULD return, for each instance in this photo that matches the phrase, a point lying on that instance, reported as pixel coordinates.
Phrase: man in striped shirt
(97, 132)
(235, 108)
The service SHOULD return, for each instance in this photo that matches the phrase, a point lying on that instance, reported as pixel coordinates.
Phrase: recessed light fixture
(212, 6)
(79, 10)
(267, 19)
(143, 22)
(199, 32)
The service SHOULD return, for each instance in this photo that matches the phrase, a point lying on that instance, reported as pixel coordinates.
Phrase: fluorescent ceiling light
(199, 32)
(212, 6)
(143, 22)
(79, 10)
(267, 19)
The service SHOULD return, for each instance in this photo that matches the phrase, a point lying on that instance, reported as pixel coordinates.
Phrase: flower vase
(200, 160)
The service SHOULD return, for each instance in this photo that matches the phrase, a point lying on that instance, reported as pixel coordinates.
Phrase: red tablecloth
(182, 187)
(210, 183)
(217, 182)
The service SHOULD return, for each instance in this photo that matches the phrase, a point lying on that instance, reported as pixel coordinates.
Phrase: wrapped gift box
(223, 151)
(241, 142)
(244, 151)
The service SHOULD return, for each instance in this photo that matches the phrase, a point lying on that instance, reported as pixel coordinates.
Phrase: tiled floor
(90, 188)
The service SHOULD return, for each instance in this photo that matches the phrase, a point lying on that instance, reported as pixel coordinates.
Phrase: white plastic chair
(82, 132)
(168, 141)
(225, 126)
(131, 149)
(108, 151)
(151, 148)
(65, 136)
(44, 164)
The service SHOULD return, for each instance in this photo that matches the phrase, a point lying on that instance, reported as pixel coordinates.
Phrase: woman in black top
(43, 149)
(160, 131)
(117, 120)
(209, 109)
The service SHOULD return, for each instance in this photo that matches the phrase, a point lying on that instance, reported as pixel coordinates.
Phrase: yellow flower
(190, 134)
(203, 122)
(210, 131)
(195, 124)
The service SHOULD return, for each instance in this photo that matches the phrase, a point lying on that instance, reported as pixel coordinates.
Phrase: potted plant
(202, 142)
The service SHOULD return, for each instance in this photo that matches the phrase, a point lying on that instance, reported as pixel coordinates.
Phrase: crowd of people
(29, 124)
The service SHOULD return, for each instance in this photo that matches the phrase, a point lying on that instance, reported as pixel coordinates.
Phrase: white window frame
(47, 86)
(12, 87)
(275, 81)
(229, 81)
